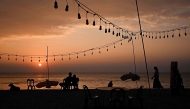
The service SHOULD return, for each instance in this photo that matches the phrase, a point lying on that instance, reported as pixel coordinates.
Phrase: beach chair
(137, 97)
(88, 96)
(117, 96)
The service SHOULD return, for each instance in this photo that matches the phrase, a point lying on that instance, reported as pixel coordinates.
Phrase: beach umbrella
(131, 76)
(47, 84)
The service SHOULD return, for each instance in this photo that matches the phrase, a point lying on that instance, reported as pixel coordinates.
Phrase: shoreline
(74, 99)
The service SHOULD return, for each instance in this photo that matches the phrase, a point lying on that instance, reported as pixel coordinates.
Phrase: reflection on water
(92, 80)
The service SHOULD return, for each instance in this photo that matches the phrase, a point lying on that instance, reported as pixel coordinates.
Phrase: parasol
(47, 84)
(131, 76)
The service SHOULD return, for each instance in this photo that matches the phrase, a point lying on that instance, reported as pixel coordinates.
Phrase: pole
(143, 45)
(134, 60)
(47, 63)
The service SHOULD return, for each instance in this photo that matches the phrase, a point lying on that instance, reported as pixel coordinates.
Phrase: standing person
(156, 83)
(110, 84)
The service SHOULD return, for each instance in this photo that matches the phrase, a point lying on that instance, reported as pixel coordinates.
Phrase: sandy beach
(74, 99)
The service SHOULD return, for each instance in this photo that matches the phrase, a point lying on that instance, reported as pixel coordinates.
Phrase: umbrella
(47, 84)
(131, 76)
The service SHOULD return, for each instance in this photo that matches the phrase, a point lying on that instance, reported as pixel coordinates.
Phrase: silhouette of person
(180, 83)
(110, 84)
(156, 82)
(68, 81)
(75, 81)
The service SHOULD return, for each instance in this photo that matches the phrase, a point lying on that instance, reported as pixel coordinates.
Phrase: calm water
(92, 80)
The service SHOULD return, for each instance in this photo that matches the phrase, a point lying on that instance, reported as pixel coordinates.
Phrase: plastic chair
(137, 97)
(89, 96)
(117, 96)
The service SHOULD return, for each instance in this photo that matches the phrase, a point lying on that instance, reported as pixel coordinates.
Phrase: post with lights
(143, 45)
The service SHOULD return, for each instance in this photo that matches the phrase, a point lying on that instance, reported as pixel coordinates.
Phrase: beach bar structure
(174, 72)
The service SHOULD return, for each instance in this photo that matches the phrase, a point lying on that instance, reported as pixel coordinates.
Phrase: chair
(117, 96)
(137, 97)
(89, 96)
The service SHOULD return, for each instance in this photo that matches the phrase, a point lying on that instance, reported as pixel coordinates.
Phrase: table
(103, 89)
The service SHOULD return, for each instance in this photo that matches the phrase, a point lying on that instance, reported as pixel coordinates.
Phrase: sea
(92, 80)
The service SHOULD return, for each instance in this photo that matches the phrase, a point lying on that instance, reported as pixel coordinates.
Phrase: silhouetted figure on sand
(179, 83)
(110, 84)
(75, 81)
(156, 83)
(13, 87)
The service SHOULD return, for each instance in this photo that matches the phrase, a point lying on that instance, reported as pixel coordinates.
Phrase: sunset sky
(27, 27)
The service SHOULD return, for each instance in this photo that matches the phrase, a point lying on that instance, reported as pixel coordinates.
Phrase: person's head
(70, 74)
(74, 76)
(155, 68)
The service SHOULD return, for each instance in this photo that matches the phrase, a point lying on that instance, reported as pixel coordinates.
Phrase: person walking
(156, 82)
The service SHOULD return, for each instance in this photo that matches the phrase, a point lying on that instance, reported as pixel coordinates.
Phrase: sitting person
(68, 81)
(110, 84)
(13, 87)
(75, 81)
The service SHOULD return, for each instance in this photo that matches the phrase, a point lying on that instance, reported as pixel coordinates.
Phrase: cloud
(39, 18)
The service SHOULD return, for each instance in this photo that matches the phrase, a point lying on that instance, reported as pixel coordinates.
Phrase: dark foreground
(74, 99)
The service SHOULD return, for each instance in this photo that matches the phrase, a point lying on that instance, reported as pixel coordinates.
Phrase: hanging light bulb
(79, 17)
(67, 7)
(87, 18)
(105, 27)
(149, 34)
(99, 50)
(8, 57)
(113, 30)
(94, 23)
(100, 28)
(114, 45)
(92, 51)
(16, 58)
(121, 42)
(173, 34)
(167, 34)
(146, 34)
(31, 59)
(107, 48)
(0, 56)
(54, 57)
(109, 28)
(185, 32)
(69, 57)
(119, 32)
(164, 34)
(77, 55)
(46, 58)
(179, 33)
(39, 59)
(23, 59)
(55, 4)
(84, 53)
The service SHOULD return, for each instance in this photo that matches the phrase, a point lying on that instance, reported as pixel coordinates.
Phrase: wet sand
(74, 99)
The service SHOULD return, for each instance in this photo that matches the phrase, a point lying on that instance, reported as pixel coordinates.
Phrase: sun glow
(39, 64)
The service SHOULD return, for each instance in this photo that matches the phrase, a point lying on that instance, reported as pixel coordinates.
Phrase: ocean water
(92, 80)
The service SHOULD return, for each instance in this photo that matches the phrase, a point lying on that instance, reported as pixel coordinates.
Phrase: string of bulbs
(62, 55)
(124, 32)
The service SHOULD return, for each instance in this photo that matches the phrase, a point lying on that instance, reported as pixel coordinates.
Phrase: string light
(31, 59)
(69, 57)
(62, 57)
(113, 30)
(92, 51)
(109, 28)
(185, 32)
(39, 59)
(114, 45)
(77, 55)
(105, 27)
(107, 48)
(54, 57)
(99, 50)
(8, 57)
(84, 53)
(179, 33)
(173, 34)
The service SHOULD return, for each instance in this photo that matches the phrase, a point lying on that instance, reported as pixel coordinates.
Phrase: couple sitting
(70, 81)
